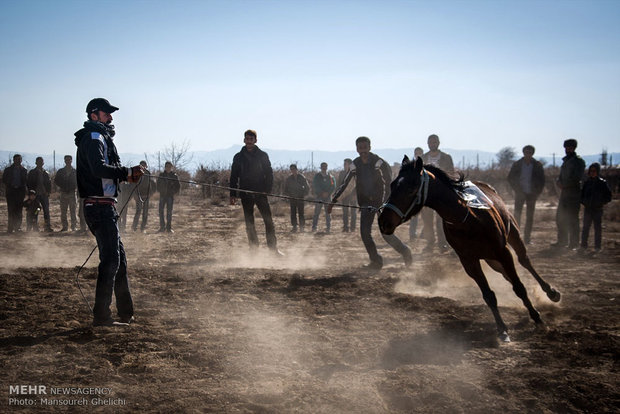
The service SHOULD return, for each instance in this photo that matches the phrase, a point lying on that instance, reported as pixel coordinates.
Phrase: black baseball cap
(100, 104)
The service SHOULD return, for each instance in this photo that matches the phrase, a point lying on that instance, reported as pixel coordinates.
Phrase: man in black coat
(168, 186)
(251, 170)
(296, 186)
(39, 181)
(527, 179)
(66, 180)
(14, 178)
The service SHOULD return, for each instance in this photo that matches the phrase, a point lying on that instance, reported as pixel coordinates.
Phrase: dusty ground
(222, 330)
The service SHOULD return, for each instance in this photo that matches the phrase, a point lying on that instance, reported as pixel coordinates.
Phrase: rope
(264, 193)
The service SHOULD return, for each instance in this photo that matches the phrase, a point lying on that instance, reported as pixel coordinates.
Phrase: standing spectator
(39, 181)
(296, 186)
(594, 195)
(32, 206)
(142, 195)
(168, 186)
(527, 179)
(373, 176)
(14, 178)
(418, 152)
(323, 186)
(125, 191)
(349, 214)
(569, 181)
(442, 160)
(65, 179)
(99, 171)
(251, 170)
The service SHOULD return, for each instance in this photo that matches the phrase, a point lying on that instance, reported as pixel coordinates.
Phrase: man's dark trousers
(297, 209)
(14, 200)
(112, 275)
(530, 205)
(262, 203)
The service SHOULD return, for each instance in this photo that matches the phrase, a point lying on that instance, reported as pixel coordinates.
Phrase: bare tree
(505, 157)
(178, 154)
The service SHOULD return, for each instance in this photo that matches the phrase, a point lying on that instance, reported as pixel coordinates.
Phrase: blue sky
(313, 74)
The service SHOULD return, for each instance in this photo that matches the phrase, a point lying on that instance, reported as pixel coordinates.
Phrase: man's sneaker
(127, 320)
(277, 253)
(64, 229)
(374, 265)
(170, 231)
(109, 322)
(49, 230)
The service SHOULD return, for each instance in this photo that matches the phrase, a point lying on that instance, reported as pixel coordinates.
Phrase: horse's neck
(444, 200)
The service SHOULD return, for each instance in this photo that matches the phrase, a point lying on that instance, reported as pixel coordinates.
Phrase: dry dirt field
(220, 329)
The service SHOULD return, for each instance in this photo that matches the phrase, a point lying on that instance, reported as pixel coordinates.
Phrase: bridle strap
(420, 198)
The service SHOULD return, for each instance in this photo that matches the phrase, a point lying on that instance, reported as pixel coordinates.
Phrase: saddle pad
(474, 196)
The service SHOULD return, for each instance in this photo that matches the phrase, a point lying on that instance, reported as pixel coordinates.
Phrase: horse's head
(408, 192)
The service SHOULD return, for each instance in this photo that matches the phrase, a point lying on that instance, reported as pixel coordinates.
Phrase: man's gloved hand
(135, 173)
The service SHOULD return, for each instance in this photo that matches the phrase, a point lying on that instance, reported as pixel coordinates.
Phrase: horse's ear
(419, 164)
(406, 160)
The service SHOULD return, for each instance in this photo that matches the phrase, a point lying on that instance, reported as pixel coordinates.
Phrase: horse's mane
(444, 177)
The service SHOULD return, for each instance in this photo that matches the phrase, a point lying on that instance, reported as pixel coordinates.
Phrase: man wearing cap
(39, 180)
(527, 179)
(99, 172)
(569, 182)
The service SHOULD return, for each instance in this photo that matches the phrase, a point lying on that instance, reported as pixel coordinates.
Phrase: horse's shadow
(79, 335)
(444, 346)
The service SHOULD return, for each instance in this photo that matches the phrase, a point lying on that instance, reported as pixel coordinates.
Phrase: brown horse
(475, 233)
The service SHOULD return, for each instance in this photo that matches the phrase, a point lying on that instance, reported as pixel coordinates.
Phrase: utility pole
(554, 159)
(54, 157)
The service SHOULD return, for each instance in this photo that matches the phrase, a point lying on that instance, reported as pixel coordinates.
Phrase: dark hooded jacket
(372, 181)
(251, 170)
(99, 167)
(595, 192)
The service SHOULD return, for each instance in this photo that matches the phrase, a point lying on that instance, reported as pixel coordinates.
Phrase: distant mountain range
(305, 159)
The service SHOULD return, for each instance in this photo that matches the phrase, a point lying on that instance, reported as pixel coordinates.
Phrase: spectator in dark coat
(594, 195)
(168, 186)
(296, 186)
(527, 179)
(349, 214)
(323, 186)
(569, 181)
(66, 180)
(251, 170)
(39, 181)
(142, 195)
(14, 178)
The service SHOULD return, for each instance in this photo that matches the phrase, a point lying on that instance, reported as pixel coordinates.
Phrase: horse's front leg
(474, 270)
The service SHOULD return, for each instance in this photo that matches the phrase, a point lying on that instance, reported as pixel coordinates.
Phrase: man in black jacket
(296, 186)
(168, 186)
(527, 179)
(251, 170)
(99, 172)
(373, 176)
(14, 178)
(39, 181)
(66, 181)
(141, 195)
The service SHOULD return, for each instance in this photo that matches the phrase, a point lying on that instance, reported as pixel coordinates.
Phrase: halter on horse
(475, 233)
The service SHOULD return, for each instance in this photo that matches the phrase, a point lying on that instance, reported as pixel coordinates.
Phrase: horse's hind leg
(473, 269)
(510, 273)
(514, 239)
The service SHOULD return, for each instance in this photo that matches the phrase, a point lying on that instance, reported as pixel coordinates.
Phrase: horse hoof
(554, 295)
(504, 337)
